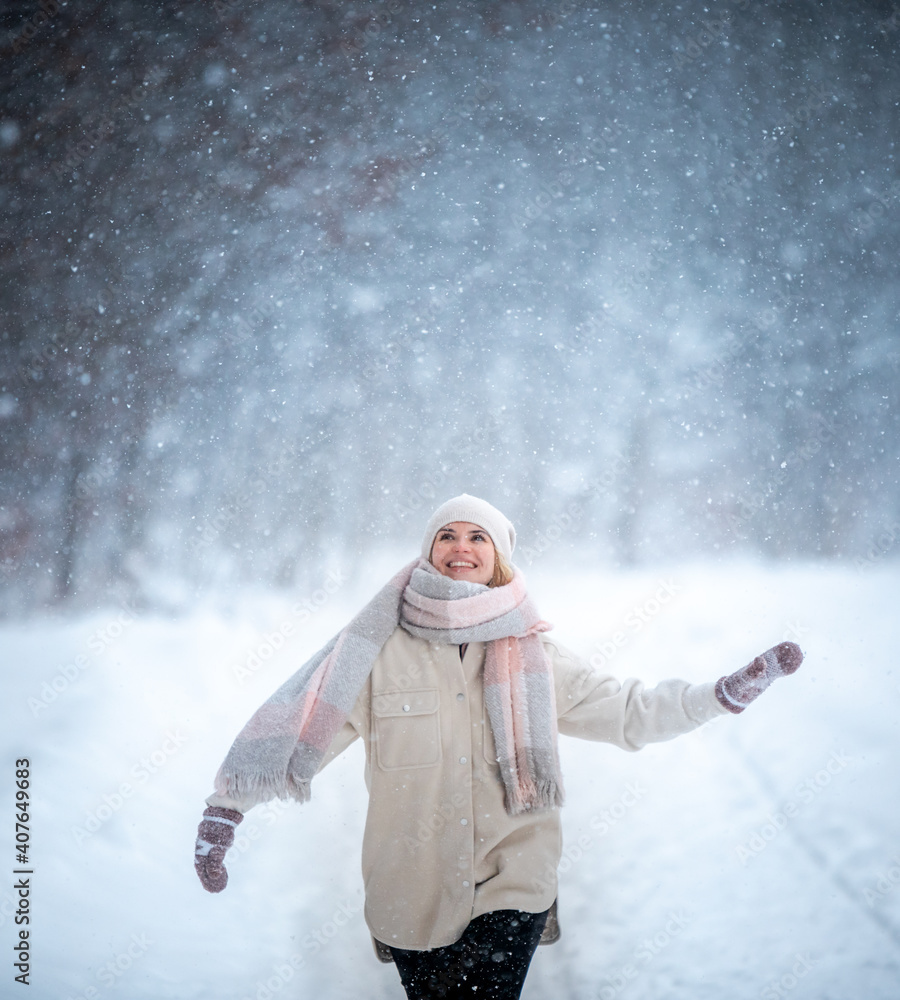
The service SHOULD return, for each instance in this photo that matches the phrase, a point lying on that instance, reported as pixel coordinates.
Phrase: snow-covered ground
(759, 857)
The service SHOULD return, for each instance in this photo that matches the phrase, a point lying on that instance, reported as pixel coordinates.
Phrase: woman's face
(464, 551)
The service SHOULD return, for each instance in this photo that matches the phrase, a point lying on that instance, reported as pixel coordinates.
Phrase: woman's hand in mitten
(214, 836)
(737, 690)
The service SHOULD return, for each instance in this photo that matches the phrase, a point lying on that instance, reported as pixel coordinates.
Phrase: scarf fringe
(261, 787)
(546, 794)
(525, 792)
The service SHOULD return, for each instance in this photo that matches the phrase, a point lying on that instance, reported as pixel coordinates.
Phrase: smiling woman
(448, 678)
(480, 552)
(464, 551)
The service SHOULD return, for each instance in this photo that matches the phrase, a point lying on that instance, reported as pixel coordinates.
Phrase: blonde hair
(503, 572)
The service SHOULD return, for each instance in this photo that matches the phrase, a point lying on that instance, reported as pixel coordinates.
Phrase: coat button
(462, 760)
(465, 884)
(464, 821)
(460, 696)
(406, 708)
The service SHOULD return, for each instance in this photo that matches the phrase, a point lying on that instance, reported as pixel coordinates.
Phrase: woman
(458, 694)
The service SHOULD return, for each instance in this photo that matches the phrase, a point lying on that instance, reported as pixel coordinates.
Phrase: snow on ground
(758, 857)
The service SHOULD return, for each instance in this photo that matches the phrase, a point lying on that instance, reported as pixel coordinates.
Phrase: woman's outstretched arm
(595, 706)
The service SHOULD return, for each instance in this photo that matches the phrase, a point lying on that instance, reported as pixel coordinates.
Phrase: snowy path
(741, 861)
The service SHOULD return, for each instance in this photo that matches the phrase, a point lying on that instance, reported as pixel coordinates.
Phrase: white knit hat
(475, 511)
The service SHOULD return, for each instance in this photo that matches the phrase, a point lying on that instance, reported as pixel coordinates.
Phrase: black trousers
(491, 959)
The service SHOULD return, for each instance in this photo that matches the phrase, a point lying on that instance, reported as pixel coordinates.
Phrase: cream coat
(439, 847)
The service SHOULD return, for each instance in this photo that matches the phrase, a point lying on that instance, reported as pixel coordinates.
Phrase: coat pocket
(407, 728)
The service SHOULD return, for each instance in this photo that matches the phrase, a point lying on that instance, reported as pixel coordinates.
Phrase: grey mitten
(737, 690)
(214, 836)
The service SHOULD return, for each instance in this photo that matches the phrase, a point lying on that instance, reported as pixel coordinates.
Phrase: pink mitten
(737, 690)
(214, 836)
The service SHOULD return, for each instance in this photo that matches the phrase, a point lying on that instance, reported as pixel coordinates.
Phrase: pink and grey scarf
(281, 748)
